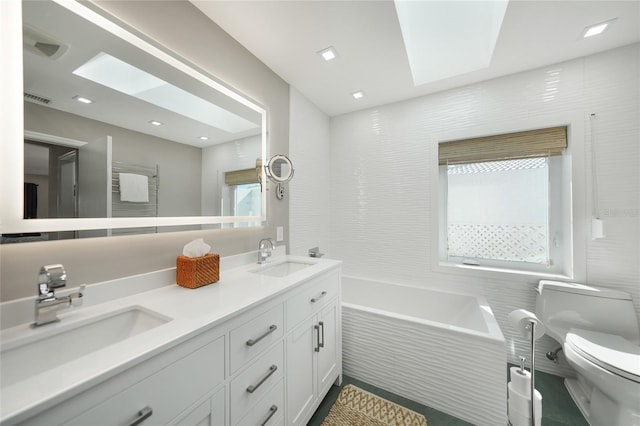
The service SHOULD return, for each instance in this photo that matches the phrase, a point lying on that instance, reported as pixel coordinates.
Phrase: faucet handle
(77, 298)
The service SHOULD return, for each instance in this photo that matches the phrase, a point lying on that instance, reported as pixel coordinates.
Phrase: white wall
(309, 215)
(383, 192)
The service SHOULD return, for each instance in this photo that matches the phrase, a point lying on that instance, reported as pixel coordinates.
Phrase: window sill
(448, 267)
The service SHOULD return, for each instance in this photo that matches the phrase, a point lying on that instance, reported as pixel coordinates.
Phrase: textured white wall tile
(309, 190)
(381, 190)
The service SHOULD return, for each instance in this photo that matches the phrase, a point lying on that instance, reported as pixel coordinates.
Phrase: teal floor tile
(558, 409)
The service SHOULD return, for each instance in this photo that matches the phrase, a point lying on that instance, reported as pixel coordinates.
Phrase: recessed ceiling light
(204, 138)
(83, 100)
(329, 53)
(596, 29)
(358, 95)
(156, 123)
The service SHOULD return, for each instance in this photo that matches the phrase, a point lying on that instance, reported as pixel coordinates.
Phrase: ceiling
(286, 36)
(52, 81)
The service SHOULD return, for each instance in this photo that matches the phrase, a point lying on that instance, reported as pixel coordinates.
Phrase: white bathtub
(441, 349)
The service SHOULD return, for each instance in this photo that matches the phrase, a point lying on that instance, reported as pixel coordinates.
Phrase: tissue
(520, 381)
(196, 248)
(520, 409)
(520, 318)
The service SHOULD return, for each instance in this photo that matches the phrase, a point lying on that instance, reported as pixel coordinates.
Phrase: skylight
(448, 38)
(118, 75)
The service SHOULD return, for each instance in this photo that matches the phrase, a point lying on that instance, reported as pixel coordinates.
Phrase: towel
(134, 188)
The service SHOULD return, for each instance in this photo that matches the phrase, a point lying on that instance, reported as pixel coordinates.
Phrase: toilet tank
(562, 306)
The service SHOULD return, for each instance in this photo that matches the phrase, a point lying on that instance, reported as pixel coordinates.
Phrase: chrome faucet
(263, 251)
(47, 305)
(315, 252)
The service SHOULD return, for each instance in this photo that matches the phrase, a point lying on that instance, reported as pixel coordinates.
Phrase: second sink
(282, 269)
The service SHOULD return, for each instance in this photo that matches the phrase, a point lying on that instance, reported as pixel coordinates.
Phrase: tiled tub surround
(202, 316)
(383, 197)
(444, 350)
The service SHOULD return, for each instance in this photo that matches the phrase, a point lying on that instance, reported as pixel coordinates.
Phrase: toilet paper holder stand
(527, 322)
(532, 329)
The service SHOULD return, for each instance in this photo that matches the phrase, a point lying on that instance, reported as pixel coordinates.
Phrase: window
(246, 199)
(242, 195)
(503, 202)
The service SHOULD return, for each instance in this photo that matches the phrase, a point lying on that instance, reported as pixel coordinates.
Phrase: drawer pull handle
(252, 342)
(315, 299)
(321, 345)
(272, 411)
(253, 388)
(143, 415)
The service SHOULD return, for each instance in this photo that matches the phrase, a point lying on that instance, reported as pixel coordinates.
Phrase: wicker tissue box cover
(194, 272)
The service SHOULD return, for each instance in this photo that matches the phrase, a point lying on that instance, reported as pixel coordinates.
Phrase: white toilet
(598, 330)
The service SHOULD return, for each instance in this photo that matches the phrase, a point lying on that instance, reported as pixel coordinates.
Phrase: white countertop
(192, 311)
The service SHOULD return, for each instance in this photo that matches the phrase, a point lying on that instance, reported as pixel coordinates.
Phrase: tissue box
(194, 272)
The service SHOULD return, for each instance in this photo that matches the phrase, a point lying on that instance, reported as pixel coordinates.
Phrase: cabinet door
(161, 397)
(300, 377)
(327, 355)
(209, 413)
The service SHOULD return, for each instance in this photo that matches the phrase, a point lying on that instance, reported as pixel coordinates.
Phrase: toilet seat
(608, 351)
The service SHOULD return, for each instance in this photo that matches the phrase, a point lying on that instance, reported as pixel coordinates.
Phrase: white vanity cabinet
(208, 412)
(269, 365)
(313, 345)
(161, 397)
(156, 391)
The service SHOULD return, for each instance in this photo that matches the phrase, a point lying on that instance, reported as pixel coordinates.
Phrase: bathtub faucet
(315, 252)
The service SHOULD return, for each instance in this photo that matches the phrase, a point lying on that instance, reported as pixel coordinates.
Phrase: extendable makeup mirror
(279, 170)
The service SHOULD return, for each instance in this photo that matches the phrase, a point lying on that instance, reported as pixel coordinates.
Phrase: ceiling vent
(36, 99)
(36, 42)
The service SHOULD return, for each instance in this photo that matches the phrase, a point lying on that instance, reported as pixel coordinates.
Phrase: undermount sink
(49, 346)
(281, 269)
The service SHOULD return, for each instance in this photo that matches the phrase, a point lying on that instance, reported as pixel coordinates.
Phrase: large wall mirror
(122, 137)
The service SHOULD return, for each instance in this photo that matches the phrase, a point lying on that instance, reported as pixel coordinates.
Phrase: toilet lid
(611, 352)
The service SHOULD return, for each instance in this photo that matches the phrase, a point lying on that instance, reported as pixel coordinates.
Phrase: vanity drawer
(269, 411)
(311, 297)
(251, 338)
(167, 392)
(253, 383)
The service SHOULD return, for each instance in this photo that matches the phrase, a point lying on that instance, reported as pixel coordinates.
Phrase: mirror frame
(12, 129)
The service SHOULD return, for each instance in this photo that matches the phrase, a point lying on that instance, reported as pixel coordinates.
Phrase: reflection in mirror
(152, 140)
(50, 180)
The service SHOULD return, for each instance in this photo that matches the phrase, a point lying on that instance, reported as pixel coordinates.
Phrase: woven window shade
(243, 177)
(510, 146)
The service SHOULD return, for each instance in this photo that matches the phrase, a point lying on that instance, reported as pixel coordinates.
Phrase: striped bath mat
(356, 407)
